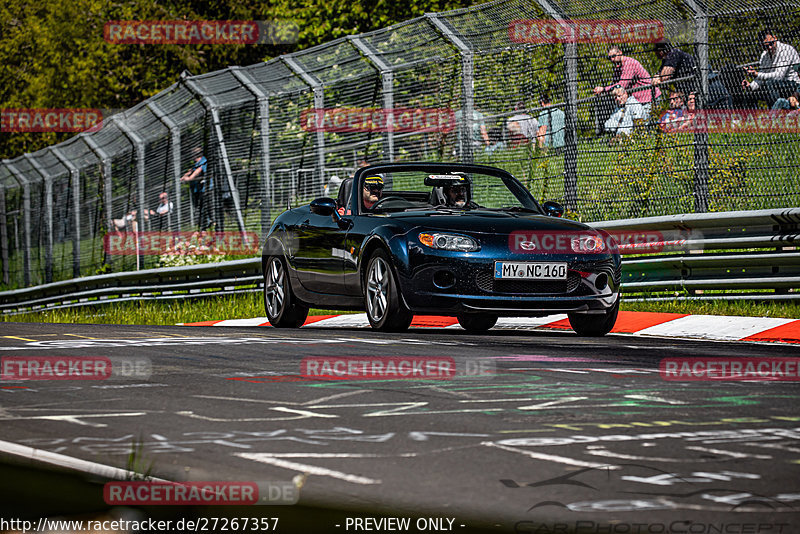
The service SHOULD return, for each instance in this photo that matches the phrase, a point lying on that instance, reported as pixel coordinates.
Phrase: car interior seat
(345, 190)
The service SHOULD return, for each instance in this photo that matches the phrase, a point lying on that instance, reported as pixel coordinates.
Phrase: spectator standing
(630, 75)
(628, 110)
(552, 123)
(480, 135)
(200, 187)
(776, 76)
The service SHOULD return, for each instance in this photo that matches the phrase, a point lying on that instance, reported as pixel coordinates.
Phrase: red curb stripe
(315, 318)
(788, 333)
(628, 322)
(203, 323)
(433, 321)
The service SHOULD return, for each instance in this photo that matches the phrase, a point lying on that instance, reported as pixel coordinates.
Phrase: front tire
(477, 323)
(589, 325)
(385, 309)
(283, 309)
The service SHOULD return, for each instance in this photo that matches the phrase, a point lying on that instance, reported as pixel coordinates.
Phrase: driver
(372, 192)
(456, 195)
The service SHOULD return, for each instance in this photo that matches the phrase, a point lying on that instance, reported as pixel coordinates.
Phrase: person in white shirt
(628, 110)
(776, 76)
(522, 128)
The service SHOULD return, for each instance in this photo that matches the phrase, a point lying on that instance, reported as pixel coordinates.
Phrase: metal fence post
(107, 187)
(263, 116)
(175, 141)
(701, 138)
(48, 217)
(467, 81)
(75, 185)
(138, 144)
(4, 235)
(387, 79)
(26, 221)
(570, 108)
(319, 106)
(212, 108)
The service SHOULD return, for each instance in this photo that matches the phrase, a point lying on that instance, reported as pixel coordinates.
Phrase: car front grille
(486, 282)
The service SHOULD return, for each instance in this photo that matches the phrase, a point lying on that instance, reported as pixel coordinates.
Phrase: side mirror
(323, 206)
(553, 209)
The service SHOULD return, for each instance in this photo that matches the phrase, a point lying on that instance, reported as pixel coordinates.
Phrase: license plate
(529, 271)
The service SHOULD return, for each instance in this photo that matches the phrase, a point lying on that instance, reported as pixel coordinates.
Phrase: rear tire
(477, 323)
(590, 325)
(283, 309)
(385, 309)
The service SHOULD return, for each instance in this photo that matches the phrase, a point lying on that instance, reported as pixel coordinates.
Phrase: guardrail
(705, 261)
(677, 257)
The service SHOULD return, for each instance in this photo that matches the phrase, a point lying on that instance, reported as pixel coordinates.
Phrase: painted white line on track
(549, 457)
(270, 459)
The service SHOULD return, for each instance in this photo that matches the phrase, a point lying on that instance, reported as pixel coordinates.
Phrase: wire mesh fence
(561, 93)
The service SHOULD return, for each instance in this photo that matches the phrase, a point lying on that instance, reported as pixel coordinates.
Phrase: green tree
(53, 54)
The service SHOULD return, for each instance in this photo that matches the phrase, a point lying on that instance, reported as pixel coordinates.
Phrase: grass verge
(150, 312)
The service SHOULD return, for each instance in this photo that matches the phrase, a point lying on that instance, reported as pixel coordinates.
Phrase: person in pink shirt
(630, 74)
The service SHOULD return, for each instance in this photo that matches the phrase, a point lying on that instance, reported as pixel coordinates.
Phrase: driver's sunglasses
(769, 44)
(612, 56)
(373, 188)
(459, 189)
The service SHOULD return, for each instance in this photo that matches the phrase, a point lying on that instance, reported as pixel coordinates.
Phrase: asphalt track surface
(569, 435)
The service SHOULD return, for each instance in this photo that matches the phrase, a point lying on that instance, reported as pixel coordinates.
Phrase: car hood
(487, 222)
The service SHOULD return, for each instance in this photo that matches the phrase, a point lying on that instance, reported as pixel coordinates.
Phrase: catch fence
(463, 86)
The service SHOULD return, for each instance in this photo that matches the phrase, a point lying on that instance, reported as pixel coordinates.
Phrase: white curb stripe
(714, 327)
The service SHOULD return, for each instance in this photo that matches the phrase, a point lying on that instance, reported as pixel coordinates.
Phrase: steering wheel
(384, 199)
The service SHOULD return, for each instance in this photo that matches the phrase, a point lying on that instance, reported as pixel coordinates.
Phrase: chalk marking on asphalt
(654, 399)
(268, 458)
(83, 337)
(423, 436)
(306, 403)
(549, 457)
(563, 400)
(76, 418)
(69, 462)
(454, 393)
(605, 453)
(732, 454)
(300, 414)
(20, 338)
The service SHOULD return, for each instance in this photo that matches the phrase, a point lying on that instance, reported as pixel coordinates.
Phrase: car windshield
(443, 190)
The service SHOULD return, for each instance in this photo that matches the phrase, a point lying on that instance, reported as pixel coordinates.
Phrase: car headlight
(588, 244)
(457, 243)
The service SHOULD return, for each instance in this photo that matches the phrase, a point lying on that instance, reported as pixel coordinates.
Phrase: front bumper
(453, 283)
